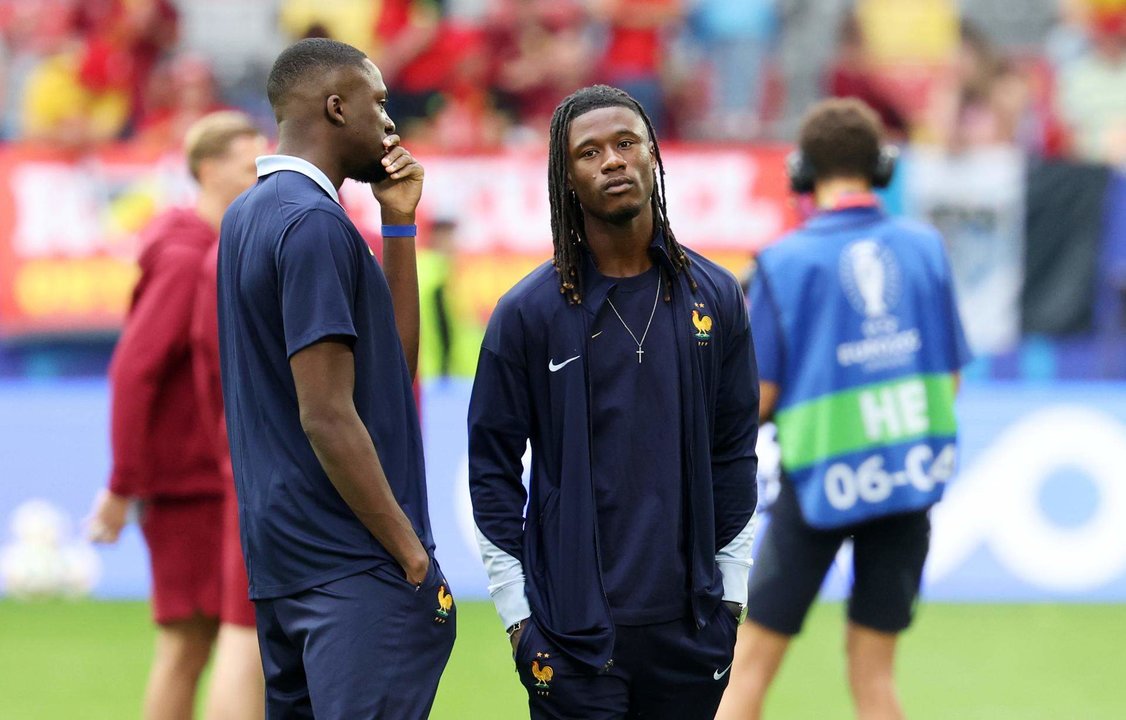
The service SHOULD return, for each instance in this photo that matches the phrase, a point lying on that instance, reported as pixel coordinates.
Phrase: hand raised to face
(399, 193)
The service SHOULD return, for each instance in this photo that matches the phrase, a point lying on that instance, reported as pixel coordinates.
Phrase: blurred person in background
(435, 269)
(439, 65)
(181, 91)
(415, 47)
(627, 363)
(983, 99)
(355, 618)
(852, 74)
(464, 113)
(859, 348)
(637, 42)
(1092, 88)
(735, 37)
(435, 63)
(123, 40)
(417, 52)
(239, 39)
(90, 87)
(164, 456)
(237, 686)
(541, 51)
(60, 109)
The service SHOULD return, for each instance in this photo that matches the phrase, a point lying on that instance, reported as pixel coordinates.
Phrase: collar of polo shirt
(269, 164)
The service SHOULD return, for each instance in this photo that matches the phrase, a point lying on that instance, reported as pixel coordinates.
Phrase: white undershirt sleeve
(734, 561)
(506, 582)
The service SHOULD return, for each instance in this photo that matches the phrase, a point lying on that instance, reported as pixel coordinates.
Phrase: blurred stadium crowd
(1012, 114)
(1046, 75)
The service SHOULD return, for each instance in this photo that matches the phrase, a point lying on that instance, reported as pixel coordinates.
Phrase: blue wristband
(390, 231)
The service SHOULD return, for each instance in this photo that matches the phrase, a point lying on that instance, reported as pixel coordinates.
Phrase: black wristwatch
(739, 611)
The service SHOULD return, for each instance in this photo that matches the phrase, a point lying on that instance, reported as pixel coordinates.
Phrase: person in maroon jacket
(237, 686)
(164, 453)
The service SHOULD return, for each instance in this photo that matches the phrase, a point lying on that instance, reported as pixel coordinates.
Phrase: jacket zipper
(688, 462)
(594, 498)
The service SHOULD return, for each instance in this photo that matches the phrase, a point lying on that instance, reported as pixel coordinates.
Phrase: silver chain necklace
(645, 334)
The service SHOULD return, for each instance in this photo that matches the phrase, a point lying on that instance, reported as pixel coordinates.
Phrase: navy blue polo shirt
(636, 449)
(293, 270)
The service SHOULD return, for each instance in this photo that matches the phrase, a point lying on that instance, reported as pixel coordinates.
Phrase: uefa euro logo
(870, 278)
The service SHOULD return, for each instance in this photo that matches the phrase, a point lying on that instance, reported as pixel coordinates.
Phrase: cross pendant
(640, 352)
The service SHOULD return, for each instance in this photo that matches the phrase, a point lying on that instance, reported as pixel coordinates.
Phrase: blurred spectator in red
(180, 92)
(541, 52)
(735, 37)
(461, 111)
(1092, 89)
(124, 40)
(852, 75)
(464, 117)
(638, 32)
(418, 53)
(434, 65)
(435, 57)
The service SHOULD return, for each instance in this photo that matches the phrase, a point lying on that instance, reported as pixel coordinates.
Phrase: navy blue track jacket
(546, 563)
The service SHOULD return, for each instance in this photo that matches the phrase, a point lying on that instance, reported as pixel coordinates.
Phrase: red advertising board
(68, 226)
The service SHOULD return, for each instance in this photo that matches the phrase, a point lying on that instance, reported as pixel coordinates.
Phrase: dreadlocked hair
(567, 228)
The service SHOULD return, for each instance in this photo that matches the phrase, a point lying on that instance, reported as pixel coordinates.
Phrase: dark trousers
(670, 670)
(362, 647)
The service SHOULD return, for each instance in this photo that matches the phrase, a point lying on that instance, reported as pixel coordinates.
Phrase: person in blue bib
(859, 348)
(317, 352)
(627, 363)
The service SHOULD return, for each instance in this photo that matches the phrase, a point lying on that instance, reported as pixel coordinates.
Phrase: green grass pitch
(88, 660)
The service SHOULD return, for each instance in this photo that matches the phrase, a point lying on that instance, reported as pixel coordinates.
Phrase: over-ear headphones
(803, 174)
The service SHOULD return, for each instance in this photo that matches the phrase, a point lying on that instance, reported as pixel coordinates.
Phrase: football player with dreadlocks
(627, 363)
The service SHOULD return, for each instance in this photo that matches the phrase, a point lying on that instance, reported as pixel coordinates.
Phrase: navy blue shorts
(672, 671)
(887, 557)
(362, 647)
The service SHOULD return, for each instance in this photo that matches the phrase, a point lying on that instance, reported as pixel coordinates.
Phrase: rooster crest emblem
(542, 673)
(445, 604)
(703, 323)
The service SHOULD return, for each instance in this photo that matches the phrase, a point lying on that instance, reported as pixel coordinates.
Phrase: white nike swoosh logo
(718, 675)
(597, 334)
(556, 368)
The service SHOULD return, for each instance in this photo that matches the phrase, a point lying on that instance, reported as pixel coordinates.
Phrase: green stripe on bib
(869, 416)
